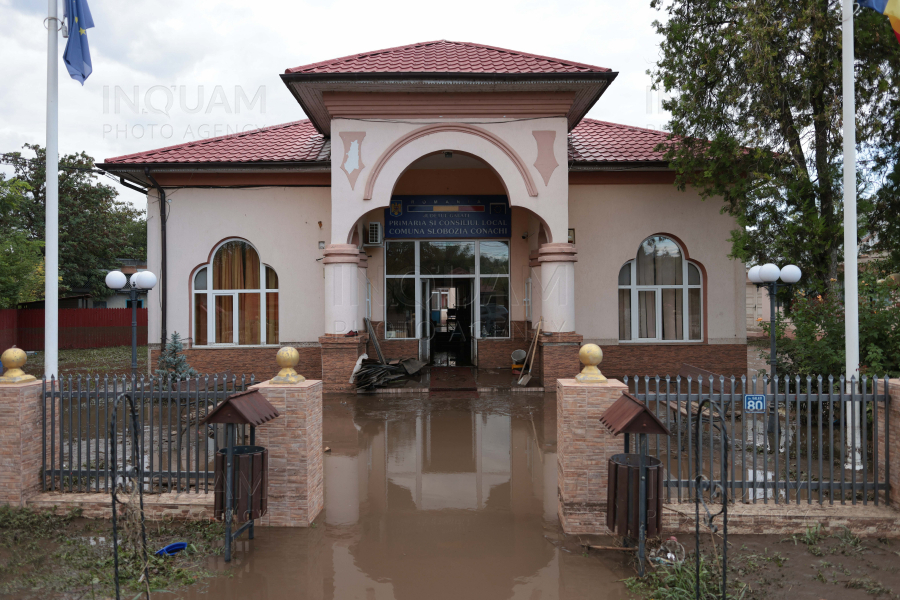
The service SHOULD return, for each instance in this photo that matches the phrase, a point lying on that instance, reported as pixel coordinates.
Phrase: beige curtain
(625, 314)
(249, 319)
(272, 317)
(647, 314)
(659, 262)
(236, 267)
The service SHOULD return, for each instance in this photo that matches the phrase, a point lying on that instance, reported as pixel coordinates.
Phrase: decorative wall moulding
(546, 161)
(351, 163)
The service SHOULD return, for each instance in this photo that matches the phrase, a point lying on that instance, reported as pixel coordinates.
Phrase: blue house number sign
(755, 403)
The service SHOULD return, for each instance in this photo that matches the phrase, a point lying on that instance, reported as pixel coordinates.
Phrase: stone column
(21, 399)
(341, 288)
(362, 279)
(294, 440)
(583, 447)
(534, 271)
(558, 286)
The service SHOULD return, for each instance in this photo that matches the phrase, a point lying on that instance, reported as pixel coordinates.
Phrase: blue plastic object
(172, 549)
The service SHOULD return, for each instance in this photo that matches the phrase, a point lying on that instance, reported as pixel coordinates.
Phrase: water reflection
(442, 499)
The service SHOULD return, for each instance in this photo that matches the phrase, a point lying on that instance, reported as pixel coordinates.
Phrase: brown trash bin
(623, 493)
(251, 479)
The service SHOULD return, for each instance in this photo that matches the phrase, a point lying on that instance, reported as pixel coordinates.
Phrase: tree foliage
(756, 118)
(95, 228)
(815, 344)
(20, 256)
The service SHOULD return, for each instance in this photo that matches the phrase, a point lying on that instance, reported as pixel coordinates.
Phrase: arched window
(243, 294)
(660, 297)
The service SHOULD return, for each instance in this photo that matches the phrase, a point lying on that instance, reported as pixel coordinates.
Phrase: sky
(168, 72)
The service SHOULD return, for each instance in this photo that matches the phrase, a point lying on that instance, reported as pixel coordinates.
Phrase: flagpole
(51, 247)
(851, 274)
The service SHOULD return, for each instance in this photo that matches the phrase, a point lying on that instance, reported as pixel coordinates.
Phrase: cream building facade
(455, 195)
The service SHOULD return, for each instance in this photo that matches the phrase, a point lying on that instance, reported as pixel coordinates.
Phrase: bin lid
(244, 408)
(630, 415)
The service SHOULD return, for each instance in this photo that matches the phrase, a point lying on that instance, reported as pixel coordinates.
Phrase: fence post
(891, 454)
(20, 431)
(584, 446)
(296, 490)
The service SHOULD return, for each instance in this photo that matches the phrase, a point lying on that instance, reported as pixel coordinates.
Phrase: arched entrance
(450, 280)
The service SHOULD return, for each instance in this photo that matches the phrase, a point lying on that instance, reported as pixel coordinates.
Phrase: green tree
(20, 256)
(95, 228)
(172, 363)
(756, 118)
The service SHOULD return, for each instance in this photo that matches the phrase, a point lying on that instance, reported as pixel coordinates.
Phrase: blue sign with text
(755, 403)
(447, 217)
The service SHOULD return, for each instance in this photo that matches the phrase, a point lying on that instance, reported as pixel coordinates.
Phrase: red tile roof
(600, 141)
(590, 142)
(442, 56)
(289, 142)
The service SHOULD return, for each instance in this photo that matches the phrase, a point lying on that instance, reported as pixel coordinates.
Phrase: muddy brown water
(427, 498)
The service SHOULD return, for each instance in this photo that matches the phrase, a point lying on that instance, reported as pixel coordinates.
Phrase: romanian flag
(889, 8)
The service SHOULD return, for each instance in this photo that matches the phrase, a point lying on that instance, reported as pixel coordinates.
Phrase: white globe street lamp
(142, 280)
(767, 276)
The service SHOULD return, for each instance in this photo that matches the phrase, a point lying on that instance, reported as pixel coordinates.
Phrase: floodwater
(427, 498)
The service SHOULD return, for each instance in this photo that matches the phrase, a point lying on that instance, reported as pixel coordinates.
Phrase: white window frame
(210, 293)
(476, 277)
(657, 289)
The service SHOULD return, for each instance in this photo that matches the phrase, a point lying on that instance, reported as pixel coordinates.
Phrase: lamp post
(767, 276)
(140, 281)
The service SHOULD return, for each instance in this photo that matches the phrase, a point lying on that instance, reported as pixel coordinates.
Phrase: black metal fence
(819, 439)
(176, 452)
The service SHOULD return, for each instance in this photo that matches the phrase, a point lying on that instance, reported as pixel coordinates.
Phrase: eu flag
(78, 55)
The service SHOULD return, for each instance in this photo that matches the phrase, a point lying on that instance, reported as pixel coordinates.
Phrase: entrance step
(453, 379)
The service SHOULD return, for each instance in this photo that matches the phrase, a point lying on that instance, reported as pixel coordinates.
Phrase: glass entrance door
(422, 275)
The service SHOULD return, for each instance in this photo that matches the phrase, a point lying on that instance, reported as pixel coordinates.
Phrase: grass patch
(45, 556)
(91, 361)
(677, 582)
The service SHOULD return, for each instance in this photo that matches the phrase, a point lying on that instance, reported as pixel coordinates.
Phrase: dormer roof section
(457, 78)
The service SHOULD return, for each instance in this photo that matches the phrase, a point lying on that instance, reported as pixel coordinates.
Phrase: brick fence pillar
(20, 441)
(893, 477)
(584, 447)
(294, 440)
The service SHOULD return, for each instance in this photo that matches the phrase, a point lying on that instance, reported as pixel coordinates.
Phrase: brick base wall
(559, 357)
(495, 353)
(666, 359)
(339, 356)
(157, 507)
(259, 362)
(392, 349)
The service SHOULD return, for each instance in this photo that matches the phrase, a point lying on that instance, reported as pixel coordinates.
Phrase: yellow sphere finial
(288, 358)
(13, 360)
(591, 355)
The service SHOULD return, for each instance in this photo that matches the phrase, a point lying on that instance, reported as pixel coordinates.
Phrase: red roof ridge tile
(219, 138)
(344, 59)
(623, 126)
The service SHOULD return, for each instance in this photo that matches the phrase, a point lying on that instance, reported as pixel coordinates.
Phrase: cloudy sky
(168, 72)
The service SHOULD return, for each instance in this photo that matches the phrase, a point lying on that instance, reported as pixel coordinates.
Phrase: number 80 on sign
(755, 403)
